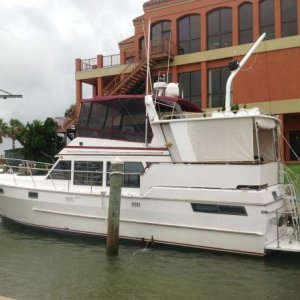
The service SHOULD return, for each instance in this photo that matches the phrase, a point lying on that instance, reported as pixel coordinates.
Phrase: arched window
(161, 30)
(219, 28)
(266, 18)
(289, 23)
(189, 32)
(245, 23)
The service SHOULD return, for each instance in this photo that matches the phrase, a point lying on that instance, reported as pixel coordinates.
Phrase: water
(35, 265)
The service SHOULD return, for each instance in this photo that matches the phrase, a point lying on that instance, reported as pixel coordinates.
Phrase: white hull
(165, 221)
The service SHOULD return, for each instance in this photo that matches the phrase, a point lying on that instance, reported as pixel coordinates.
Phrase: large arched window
(189, 32)
(266, 18)
(219, 28)
(289, 23)
(245, 23)
(161, 30)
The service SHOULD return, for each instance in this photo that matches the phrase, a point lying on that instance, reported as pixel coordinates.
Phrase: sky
(39, 42)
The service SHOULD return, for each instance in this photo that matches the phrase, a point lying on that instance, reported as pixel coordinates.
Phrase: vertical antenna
(169, 57)
(148, 58)
(147, 78)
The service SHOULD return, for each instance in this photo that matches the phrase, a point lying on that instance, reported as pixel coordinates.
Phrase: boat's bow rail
(24, 167)
(77, 177)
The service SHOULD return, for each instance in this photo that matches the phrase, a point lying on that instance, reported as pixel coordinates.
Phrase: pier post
(116, 181)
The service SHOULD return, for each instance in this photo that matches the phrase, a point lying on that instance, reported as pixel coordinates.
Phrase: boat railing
(20, 167)
(184, 115)
(281, 218)
(59, 179)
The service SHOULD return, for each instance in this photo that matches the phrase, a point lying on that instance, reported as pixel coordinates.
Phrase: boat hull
(165, 221)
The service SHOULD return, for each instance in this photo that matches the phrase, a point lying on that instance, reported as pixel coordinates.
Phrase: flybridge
(123, 117)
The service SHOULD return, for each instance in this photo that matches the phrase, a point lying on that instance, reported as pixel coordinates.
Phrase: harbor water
(38, 265)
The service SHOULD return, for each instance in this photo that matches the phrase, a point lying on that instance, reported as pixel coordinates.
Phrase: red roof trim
(117, 148)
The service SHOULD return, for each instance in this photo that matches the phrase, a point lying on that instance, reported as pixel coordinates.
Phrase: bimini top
(123, 117)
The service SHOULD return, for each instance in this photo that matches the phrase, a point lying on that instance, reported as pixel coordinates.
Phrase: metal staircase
(129, 79)
(133, 76)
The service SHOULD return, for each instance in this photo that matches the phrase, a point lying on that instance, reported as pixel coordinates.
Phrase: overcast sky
(40, 40)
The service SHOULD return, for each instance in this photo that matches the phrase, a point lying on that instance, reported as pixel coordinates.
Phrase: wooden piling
(116, 181)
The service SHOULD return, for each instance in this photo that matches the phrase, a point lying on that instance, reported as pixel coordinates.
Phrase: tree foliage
(13, 130)
(70, 113)
(3, 128)
(40, 140)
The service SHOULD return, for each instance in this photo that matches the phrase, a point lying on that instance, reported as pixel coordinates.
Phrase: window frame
(190, 39)
(248, 27)
(264, 25)
(287, 20)
(192, 96)
(86, 177)
(126, 176)
(219, 32)
(66, 172)
(222, 83)
(220, 209)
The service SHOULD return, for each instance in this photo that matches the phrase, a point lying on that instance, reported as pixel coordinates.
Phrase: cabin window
(88, 173)
(289, 23)
(132, 172)
(245, 23)
(219, 209)
(33, 195)
(189, 32)
(217, 79)
(267, 23)
(219, 28)
(117, 119)
(62, 171)
(190, 84)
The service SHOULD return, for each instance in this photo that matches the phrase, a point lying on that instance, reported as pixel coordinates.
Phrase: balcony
(160, 50)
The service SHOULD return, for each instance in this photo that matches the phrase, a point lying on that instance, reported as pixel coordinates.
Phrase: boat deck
(287, 243)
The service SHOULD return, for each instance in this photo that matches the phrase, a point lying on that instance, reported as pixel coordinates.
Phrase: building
(192, 42)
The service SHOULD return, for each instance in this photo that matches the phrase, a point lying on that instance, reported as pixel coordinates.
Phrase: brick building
(194, 40)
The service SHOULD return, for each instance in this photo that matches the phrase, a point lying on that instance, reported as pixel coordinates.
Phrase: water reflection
(36, 265)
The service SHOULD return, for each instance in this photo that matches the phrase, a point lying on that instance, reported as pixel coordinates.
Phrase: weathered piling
(116, 180)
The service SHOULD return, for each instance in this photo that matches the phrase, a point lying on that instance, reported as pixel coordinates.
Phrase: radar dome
(172, 90)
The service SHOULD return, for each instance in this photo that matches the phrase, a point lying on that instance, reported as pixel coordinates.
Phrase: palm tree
(70, 113)
(3, 130)
(13, 130)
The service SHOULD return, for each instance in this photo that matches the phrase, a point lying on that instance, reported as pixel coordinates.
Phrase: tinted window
(132, 171)
(267, 18)
(245, 23)
(189, 34)
(219, 209)
(88, 173)
(217, 79)
(61, 171)
(190, 84)
(161, 30)
(205, 208)
(289, 22)
(119, 119)
(219, 28)
(232, 210)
